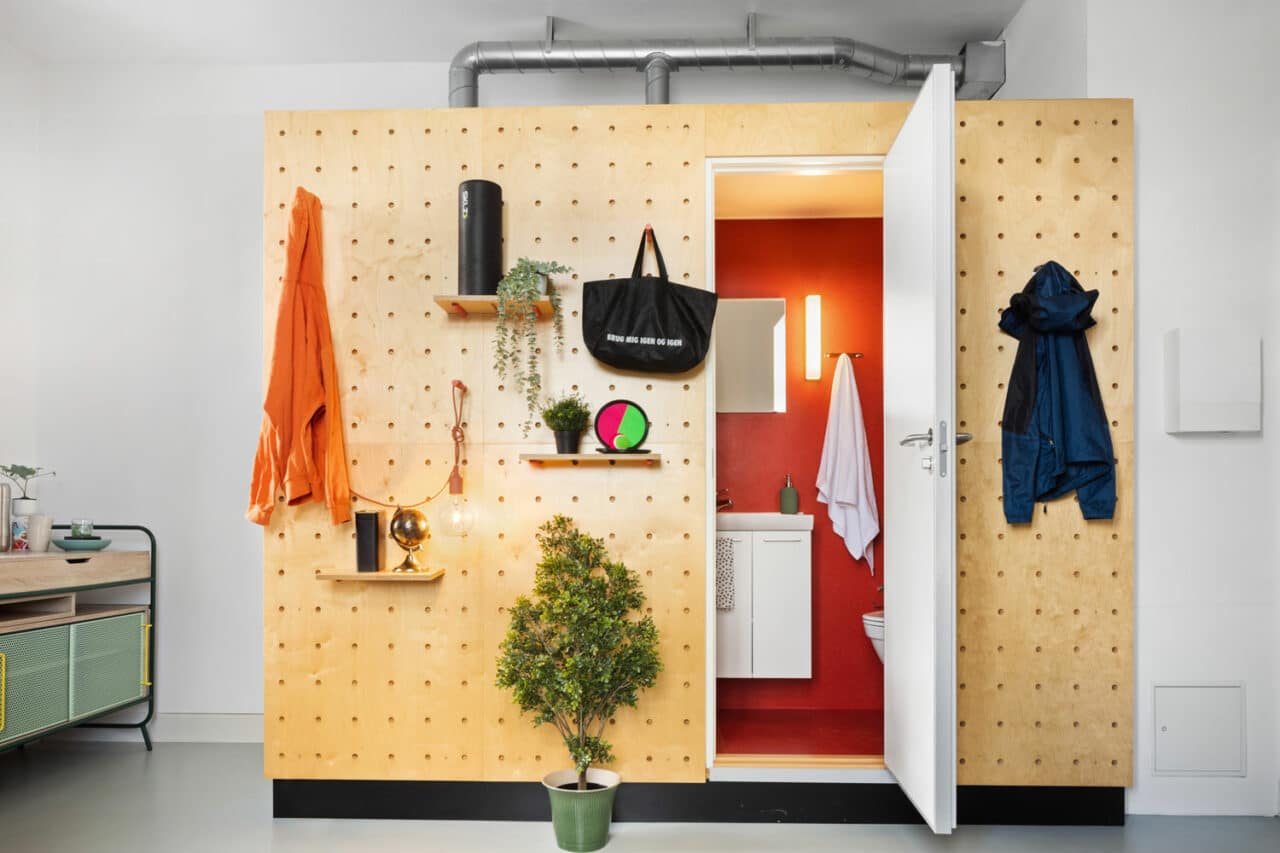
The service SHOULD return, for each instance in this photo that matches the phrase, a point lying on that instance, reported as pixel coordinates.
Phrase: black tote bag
(646, 323)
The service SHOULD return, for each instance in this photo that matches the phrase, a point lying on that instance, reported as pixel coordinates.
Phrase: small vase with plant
(575, 652)
(21, 476)
(567, 416)
(515, 348)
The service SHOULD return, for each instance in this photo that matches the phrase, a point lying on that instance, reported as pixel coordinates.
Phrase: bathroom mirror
(751, 355)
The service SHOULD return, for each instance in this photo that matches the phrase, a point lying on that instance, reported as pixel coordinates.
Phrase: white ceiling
(322, 31)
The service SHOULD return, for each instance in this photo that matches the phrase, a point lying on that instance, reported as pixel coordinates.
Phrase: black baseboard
(714, 802)
(1040, 806)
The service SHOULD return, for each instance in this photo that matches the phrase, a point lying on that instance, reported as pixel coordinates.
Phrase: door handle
(789, 539)
(4, 684)
(146, 654)
(963, 437)
(917, 438)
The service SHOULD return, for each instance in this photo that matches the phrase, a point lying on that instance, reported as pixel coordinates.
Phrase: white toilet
(873, 624)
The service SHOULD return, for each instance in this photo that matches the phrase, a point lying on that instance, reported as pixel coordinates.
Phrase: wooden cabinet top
(28, 572)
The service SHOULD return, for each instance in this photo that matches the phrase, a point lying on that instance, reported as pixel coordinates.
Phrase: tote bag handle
(662, 266)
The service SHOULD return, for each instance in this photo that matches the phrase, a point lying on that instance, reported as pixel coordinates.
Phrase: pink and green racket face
(621, 425)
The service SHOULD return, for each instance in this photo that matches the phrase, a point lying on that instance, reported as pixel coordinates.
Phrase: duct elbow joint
(464, 77)
(657, 78)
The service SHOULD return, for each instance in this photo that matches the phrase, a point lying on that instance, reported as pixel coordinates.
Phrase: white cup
(39, 528)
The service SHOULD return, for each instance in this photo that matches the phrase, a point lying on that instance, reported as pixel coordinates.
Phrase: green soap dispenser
(788, 499)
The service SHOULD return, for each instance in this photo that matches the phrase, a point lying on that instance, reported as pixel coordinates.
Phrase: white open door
(920, 458)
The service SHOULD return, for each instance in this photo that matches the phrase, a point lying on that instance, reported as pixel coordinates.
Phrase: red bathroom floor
(800, 732)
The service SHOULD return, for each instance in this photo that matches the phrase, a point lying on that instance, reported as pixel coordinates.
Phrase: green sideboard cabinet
(66, 661)
(52, 676)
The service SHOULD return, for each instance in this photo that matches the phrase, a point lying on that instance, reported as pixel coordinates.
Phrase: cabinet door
(33, 690)
(733, 626)
(106, 663)
(782, 605)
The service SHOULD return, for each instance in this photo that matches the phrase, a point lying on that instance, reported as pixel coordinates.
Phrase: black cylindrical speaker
(479, 237)
(368, 541)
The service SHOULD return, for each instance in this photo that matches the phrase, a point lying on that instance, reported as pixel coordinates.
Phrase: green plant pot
(581, 818)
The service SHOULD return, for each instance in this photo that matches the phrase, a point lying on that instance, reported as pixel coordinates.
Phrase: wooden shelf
(464, 305)
(382, 577)
(540, 459)
(17, 612)
(862, 762)
(83, 613)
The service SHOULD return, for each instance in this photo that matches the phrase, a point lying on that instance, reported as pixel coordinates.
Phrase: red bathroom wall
(840, 259)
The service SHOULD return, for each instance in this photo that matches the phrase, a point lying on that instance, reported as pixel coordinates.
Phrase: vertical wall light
(813, 337)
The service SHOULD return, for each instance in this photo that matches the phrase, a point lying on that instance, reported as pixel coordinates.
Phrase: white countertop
(763, 521)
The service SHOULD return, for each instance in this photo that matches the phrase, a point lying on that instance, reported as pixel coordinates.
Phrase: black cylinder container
(368, 541)
(479, 237)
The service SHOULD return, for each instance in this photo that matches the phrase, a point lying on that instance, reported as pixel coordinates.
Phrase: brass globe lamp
(409, 529)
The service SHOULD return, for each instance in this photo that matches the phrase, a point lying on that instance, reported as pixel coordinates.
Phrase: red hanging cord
(454, 481)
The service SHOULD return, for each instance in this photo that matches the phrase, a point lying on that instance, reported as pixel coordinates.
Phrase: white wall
(1045, 50)
(150, 216)
(1208, 232)
(19, 260)
(150, 228)
(1208, 226)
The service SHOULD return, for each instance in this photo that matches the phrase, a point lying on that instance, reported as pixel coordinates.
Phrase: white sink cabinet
(769, 631)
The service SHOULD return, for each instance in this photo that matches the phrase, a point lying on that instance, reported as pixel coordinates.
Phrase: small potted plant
(567, 416)
(575, 652)
(515, 347)
(21, 476)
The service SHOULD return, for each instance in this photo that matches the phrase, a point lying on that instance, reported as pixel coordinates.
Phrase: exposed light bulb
(457, 516)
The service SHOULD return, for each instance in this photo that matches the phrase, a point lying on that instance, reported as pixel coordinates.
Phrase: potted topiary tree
(22, 475)
(567, 416)
(515, 347)
(575, 652)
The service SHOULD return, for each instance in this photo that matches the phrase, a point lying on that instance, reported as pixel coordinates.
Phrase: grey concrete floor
(190, 798)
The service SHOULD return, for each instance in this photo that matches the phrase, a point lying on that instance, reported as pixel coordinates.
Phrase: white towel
(844, 477)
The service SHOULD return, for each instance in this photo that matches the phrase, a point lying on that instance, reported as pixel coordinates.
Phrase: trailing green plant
(579, 649)
(515, 347)
(568, 413)
(22, 475)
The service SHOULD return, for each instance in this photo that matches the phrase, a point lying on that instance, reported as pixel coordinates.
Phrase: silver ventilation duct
(979, 67)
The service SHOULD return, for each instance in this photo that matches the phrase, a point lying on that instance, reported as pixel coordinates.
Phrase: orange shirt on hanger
(300, 448)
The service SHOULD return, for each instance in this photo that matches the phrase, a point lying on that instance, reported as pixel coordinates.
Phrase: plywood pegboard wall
(395, 681)
(1044, 611)
(390, 681)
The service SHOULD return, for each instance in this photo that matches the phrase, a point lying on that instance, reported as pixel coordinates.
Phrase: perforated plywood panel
(1045, 610)
(396, 681)
(384, 681)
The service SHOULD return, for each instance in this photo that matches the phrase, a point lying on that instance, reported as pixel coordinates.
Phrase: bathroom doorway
(917, 489)
(784, 231)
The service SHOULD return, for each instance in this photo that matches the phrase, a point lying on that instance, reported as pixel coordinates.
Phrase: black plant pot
(567, 440)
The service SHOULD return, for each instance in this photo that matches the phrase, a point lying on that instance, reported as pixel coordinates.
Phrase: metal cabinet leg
(146, 736)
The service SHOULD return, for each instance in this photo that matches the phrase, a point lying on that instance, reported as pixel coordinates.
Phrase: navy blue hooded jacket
(1056, 438)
